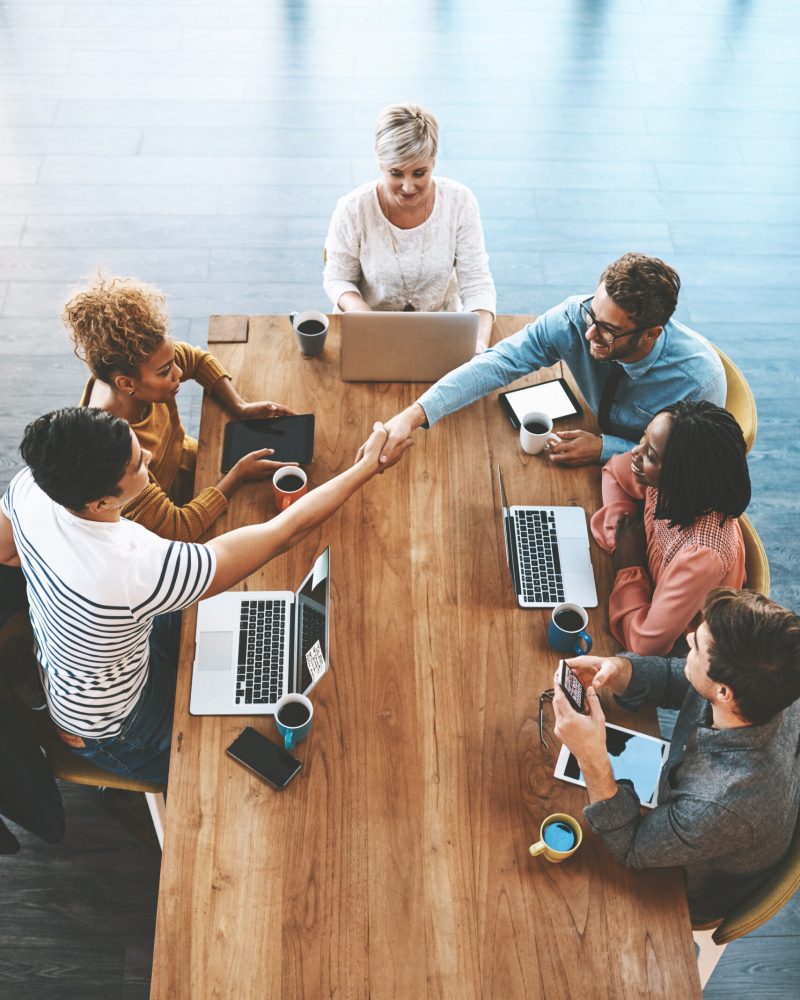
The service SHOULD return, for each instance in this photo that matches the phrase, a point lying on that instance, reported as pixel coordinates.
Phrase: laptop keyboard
(540, 566)
(259, 673)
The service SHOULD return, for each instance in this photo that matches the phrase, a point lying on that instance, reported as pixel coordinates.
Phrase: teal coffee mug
(567, 632)
(293, 715)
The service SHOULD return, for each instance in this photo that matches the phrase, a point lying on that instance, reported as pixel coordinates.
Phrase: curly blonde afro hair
(116, 324)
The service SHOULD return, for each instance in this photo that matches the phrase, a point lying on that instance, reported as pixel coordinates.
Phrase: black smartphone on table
(264, 758)
(572, 687)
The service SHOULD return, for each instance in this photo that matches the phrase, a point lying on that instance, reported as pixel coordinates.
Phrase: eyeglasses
(543, 697)
(606, 334)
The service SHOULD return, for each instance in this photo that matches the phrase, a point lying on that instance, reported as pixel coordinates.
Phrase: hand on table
(631, 547)
(253, 466)
(263, 410)
(611, 672)
(257, 465)
(575, 448)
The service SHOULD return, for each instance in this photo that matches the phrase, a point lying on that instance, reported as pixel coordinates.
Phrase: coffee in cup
(293, 715)
(288, 484)
(560, 837)
(535, 430)
(567, 632)
(311, 329)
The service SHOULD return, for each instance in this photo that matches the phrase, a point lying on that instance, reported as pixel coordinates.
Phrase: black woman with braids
(669, 516)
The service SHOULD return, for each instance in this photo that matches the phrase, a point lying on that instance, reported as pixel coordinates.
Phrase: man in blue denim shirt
(628, 321)
(729, 791)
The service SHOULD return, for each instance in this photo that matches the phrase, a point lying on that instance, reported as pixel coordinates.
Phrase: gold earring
(131, 392)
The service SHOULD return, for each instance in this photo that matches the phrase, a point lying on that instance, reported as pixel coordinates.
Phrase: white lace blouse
(440, 265)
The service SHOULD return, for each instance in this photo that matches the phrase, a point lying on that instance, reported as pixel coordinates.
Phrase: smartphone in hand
(572, 687)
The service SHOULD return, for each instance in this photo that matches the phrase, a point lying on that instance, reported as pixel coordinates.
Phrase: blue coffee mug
(293, 715)
(567, 632)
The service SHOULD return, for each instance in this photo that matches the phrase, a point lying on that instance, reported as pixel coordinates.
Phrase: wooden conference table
(396, 864)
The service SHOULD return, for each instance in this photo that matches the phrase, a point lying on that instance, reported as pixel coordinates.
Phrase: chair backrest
(739, 399)
(768, 900)
(756, 565)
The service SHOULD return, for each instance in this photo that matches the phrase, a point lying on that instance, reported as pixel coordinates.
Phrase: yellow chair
(751, 914)
(756, 566)
(711, 939)
(64, 764)
(739, 399)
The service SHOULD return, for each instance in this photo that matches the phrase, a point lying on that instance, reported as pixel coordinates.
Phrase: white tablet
(634, 756)
(555, 398)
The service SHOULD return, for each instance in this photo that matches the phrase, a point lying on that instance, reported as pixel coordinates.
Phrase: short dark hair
(78, 454)
(704, 465)
(754, 650)
(645, 287)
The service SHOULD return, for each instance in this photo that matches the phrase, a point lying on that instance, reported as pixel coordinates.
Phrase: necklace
(408, 307)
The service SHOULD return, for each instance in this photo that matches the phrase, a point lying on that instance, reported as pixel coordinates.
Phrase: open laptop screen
(311, 622)
(508, 531)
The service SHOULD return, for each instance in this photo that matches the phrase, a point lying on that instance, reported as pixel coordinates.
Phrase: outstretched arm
(244, 550)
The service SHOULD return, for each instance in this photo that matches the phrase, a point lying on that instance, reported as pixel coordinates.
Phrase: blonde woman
(119, 328)
(409, 241)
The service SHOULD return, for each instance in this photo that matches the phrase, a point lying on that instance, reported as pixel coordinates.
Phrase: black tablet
(291, 437)
(555, 398)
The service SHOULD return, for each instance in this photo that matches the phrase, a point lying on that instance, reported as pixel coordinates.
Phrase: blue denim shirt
(681, 365)
(727, 798)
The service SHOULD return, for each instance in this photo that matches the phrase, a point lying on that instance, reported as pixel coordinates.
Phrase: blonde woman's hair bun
(406, 133)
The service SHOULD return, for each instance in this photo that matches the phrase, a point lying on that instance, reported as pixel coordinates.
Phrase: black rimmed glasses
(604, 332)
(543, 697)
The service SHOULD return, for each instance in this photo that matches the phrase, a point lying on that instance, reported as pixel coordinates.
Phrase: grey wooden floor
(201, 146)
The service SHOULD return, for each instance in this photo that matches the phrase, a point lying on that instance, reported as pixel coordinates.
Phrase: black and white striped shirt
(94, 589)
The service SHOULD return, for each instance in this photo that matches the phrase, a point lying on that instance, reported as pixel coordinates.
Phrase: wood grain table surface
(396, 864)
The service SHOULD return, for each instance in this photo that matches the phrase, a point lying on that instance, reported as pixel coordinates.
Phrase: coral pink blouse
(649, 609)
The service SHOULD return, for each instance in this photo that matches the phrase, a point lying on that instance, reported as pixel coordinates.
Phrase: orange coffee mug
(288, 485)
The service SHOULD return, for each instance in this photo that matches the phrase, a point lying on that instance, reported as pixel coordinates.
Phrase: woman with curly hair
(670, 519)
(119, 328)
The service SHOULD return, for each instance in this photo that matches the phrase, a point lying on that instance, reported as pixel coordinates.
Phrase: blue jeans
(141, 748)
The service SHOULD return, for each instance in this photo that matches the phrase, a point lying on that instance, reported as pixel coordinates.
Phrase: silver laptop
(253, 647)
(406, 346)
(547, 549)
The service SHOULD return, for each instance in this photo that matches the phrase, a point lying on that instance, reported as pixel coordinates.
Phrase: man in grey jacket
(730, 789)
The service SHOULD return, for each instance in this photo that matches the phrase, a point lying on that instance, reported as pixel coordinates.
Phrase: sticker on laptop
(315, 661)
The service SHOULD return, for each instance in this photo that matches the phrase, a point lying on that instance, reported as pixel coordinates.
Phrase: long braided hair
(704, 465)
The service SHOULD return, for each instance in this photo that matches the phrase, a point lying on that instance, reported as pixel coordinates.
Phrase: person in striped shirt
(105, 593)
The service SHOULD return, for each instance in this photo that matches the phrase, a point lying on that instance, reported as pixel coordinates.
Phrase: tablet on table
(292, 438)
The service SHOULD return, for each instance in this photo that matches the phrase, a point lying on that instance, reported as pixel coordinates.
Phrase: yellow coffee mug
(560, 837)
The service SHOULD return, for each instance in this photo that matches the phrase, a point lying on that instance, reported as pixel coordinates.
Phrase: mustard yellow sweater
(165, 505)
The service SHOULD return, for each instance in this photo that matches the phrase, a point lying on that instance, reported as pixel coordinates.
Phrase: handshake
(388, 441)
(569, 448)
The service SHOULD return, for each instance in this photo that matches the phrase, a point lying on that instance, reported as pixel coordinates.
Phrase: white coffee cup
(533, 441)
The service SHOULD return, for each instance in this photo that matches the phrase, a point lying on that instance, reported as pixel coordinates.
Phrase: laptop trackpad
(214, 650)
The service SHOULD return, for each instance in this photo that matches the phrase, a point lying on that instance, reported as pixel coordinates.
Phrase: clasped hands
(631, 541)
